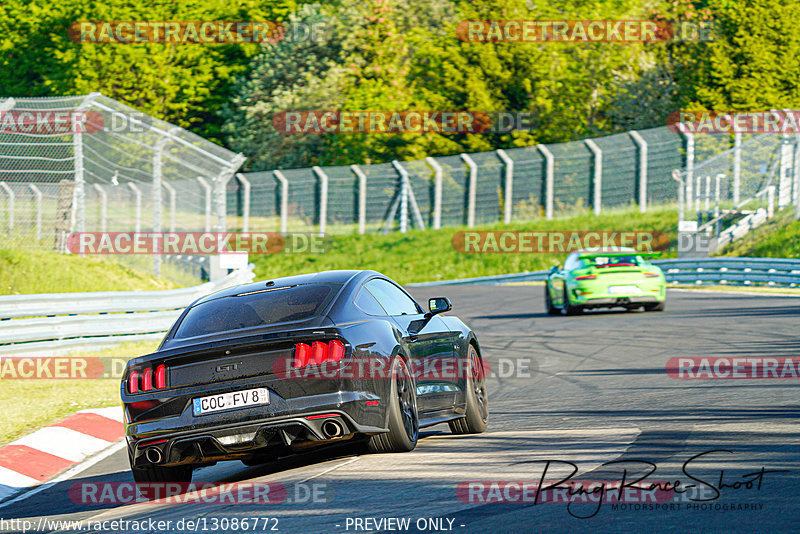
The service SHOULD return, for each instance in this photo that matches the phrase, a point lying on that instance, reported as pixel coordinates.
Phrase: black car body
(379, 368)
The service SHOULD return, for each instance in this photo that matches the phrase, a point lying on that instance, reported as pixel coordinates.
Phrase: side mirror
(439, 305)
(554, 269)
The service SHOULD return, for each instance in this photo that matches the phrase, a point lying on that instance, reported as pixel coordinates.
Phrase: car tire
(659, 306)
(402, 418)
(155, 473)
(476, 418)
(548, 302)
(569, 309)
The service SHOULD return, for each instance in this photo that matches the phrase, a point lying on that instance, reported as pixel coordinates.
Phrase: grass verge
(777, 238)
(428, 255)
(28, 404)
(24, 271)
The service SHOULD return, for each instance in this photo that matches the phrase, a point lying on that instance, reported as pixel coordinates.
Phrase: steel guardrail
(718, 270)
(52, 304)
(55, 323)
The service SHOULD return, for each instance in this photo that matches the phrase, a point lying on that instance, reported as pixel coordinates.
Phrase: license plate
(623, 289)
(230, 400)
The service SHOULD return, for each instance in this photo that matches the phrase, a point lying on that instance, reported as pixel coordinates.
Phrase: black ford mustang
(264, 369)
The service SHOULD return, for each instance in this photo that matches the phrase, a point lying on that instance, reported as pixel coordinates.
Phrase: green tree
(182, 83)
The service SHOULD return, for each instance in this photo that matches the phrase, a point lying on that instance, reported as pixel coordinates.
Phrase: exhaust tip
(332, 429)
(153, 455)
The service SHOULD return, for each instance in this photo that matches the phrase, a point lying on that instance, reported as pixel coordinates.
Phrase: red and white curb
(34, 459)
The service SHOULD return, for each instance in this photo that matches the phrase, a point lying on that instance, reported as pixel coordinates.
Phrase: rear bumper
(622, 300)
(240, 439)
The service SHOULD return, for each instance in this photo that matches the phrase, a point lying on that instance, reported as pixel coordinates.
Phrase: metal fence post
(688, 200)
(221, 182)
(77, 147)
(796, 181)
(676, 175)
(770, 201)
(737, 166)
(437, 192)
(103, 206)
(698, 193)
(642, 144)
(549, 172)
(786, 163)
(207, 207)
(323, 198)
(508, 190)
(362, 198)
(38, 194)
(79, 195)
(246, 203)
(284, 199)
(597, 179)
(138, 217)
(10, 194)
(409, 193)
(156, 193)
(689, 163)
(471, 189)
(403, 205)
(171, 191)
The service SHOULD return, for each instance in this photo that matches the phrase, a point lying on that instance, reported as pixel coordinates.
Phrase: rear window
(258, 308)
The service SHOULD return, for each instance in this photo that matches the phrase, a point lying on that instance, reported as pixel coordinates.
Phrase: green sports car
(605, 278)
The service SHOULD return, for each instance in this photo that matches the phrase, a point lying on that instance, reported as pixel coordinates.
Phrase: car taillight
(651, 275)
(161, 376)
(147, 379)
(318, 352)
(302, 353)
(335, 350)
(133, 382)
(586, 277)
(150, 379)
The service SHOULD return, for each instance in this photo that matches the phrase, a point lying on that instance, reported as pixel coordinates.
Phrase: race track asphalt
(588, 389)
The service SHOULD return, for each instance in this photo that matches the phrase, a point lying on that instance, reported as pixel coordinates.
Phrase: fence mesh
(89, 163)
(573, 184)
(55, 183)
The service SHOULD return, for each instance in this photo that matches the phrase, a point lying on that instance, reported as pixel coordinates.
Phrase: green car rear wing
(589, 255)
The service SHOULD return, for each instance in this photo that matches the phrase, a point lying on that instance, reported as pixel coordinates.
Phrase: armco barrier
(63, 322)
(725, 271)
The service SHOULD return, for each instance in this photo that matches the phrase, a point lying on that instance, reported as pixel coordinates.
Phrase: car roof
(323, 277)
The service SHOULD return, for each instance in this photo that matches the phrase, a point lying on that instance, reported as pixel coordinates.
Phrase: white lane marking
(326, 471)
(69, 473)
(63, 442)
(113, 412)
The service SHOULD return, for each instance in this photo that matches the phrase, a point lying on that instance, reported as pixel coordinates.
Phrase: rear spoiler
(589, 255)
